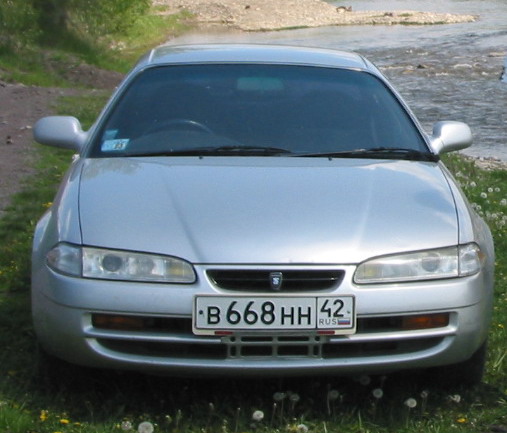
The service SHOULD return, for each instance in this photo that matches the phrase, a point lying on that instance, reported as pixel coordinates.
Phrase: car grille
(261, 280)
(173, 338)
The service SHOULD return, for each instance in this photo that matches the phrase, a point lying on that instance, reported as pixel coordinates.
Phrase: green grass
(41, 395)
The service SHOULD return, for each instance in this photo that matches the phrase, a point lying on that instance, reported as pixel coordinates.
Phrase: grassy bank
(37, 396)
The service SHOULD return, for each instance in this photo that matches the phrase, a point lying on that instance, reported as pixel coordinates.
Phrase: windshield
(256, 109)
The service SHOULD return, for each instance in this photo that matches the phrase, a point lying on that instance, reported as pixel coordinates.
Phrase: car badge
(276, 280)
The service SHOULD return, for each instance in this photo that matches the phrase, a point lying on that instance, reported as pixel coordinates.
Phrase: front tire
(465, 374)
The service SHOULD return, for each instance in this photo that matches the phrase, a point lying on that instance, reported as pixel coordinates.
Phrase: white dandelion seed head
(484, 195)
(364, 380)
(145, 427)
(333, 394)
(126, 425)
(456, 398)
(302, 428)
(378, 393)
(425, 393)
(279, 396)
(294, 397)
(411, 403)
(258, 416)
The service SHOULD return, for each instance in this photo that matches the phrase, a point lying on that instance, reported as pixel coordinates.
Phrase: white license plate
(215, 315)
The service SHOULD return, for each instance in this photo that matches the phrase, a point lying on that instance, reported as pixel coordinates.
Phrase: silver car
(252, 209)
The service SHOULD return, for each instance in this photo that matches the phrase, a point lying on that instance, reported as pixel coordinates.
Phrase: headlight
(448, 262)
(119, 265)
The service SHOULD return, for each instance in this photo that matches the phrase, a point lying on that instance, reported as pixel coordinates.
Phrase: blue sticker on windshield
(110, 134)
(115, 145)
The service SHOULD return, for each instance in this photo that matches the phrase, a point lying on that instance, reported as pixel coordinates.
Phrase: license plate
(215, 315)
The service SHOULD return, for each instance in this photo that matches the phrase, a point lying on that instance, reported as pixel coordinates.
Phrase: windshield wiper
(219, 151)
(377, 153)
(250, 150)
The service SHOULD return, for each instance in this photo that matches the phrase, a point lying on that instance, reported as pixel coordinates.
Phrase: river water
(444, 72)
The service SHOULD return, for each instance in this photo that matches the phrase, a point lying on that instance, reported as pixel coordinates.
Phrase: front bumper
(66, 312)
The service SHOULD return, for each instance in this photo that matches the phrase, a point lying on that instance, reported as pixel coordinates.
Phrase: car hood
(266, 210)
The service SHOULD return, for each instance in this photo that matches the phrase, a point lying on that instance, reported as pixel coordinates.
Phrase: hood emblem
(275, 280)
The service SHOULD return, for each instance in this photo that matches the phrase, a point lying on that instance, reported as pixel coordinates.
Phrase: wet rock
(343, 9)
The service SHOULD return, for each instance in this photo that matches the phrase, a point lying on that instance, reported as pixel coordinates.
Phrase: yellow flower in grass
(43, 415)
(461, 420)
(64, 421)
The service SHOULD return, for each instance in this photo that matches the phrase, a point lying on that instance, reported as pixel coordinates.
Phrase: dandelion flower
(145, 427)
(302, 428)
(43, 415)
(258, 416)
(64, 421)
(424, 394)
(411, 403)
(484, 195)
(461, 420)
(378, 393)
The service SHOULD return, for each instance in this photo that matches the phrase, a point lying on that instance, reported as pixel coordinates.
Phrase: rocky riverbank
(263, 15)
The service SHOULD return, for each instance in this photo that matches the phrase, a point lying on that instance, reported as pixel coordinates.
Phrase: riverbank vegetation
(40, 395)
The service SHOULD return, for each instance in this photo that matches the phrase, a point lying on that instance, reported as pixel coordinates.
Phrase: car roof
(254, 53)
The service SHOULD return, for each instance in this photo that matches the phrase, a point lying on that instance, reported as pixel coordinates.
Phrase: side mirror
(60, 131)
(449, 136)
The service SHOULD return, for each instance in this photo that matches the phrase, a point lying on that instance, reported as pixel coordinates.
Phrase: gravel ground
(258, 15)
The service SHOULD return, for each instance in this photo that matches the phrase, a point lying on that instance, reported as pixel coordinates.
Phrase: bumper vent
(262, 281)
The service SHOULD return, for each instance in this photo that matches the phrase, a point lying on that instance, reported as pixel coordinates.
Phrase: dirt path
(20, 106)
